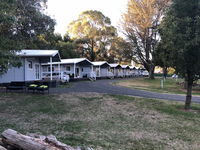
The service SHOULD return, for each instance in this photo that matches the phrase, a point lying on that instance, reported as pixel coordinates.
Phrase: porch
(77, 68)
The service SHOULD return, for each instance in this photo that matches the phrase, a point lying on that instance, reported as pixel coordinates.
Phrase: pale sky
(65, 11)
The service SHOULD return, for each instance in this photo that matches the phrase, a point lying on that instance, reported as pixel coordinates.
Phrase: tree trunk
(165, 72)
(151, 72)
(92, 54)
(20, 141)
(189, 95)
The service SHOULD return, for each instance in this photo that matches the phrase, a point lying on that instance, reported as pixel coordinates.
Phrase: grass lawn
(66, 85)
(103, 122)
(170, 85)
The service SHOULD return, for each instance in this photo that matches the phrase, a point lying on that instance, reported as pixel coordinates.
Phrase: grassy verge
(104, 122)
(170, 85)
(66, 85)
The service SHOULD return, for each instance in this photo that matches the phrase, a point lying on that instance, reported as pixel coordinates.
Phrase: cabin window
(30, 64)
(67, 68)
(82, 69)
(49, 69)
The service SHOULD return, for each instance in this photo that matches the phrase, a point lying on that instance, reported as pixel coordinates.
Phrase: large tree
(120, 51)
(140, 24)
(93, 33)
(7, 41)
(181, 36)
(31, 21)
(21, 23)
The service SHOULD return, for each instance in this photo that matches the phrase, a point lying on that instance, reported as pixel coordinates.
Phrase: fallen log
(2, 148)
(14, 139)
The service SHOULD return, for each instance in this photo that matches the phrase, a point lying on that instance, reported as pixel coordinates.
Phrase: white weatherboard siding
(31, 68)
(104, 72)
(116, 70)
(97, 71)
(101, 68)
(101, 72)
(23, 73)
(13, 74)
(85, 71)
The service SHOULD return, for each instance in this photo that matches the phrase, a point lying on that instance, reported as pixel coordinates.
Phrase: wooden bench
(17, 85)
(38, 87)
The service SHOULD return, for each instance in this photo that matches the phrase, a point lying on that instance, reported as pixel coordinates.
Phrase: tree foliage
(140, 24)
(120, 51)
(162, 56)
(21, 24)
(181, 36)
(93, 33)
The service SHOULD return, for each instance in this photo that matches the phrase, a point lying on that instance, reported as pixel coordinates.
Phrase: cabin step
(92, 79)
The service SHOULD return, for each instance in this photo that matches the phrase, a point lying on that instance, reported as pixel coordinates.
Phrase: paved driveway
(106, 86)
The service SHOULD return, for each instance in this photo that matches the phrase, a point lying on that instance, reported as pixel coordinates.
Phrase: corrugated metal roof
(132, 67)
(125, 66)
(73, 60)
(32, 53)
(99, 63)
(114, 65)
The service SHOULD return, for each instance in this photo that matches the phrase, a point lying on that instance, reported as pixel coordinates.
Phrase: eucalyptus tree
(93, 33)
(140, 24)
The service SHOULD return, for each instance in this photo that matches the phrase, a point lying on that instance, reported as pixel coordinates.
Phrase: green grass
(66, 85)
(103, 122)
(170, 85)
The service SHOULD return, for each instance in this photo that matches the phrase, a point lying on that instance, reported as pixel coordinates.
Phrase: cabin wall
(13, 74)
(67, 69)
(116, 72)
(85, 71)
(97, 71)
(80, 70)
(104, 72)
(32, 69)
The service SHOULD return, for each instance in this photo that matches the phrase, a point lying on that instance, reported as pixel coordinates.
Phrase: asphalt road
(106, 86)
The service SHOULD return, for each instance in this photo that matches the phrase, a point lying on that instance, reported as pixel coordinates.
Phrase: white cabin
(125, 70)
(31, 69)
(116, 69)
(102, 69)
(75, 68)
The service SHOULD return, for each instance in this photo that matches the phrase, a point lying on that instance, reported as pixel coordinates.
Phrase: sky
(65, 11)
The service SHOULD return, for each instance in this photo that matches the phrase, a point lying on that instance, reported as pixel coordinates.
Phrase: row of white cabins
(48, 65)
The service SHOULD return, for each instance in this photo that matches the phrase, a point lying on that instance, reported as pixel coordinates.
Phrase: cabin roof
(100, 63)
(37, 53)
(125, 66)
(74, 60)
(114, 65)
(133, 67)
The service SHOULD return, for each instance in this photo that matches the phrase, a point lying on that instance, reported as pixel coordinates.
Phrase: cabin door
(77, 72)
(37, 71)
